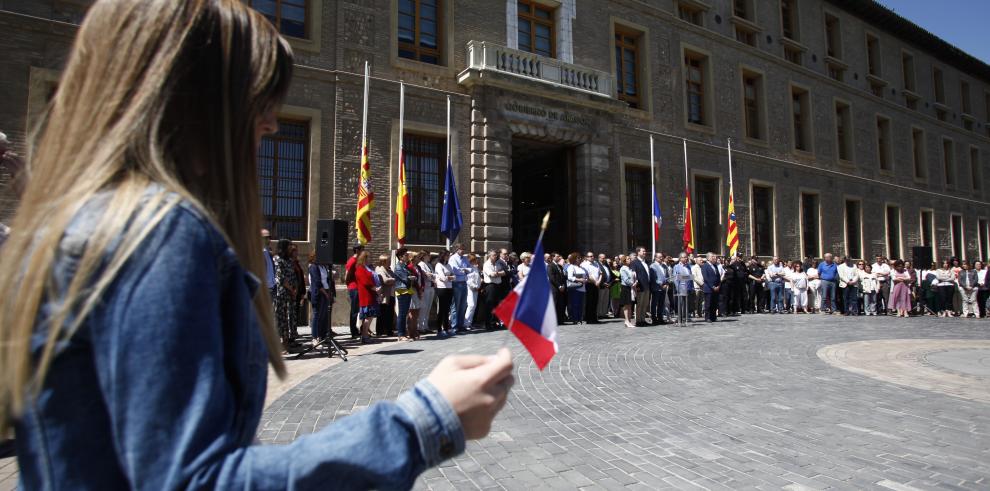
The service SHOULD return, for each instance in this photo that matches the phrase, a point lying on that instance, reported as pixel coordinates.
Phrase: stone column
(596, 197)
(491, 181)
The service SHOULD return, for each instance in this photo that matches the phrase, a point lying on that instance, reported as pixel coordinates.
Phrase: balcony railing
(483, 55)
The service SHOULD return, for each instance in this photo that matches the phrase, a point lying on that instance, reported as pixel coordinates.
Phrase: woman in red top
(367, 286)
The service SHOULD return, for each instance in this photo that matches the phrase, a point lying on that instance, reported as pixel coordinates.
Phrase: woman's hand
(476, 386)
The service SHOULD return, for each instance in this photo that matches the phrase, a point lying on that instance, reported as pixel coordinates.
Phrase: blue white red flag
(657, 219)
(529, 312)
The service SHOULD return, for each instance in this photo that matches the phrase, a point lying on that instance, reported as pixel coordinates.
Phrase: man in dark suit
(558, 283)
(642, 293)
(713, 281)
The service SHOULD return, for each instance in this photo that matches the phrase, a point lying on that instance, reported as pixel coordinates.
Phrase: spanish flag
(732, 240)
(402, 204)
(688, 226)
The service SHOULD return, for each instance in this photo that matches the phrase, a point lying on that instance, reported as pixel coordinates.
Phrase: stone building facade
(853, 130)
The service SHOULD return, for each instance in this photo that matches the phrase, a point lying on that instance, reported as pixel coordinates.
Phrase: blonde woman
(143, 174)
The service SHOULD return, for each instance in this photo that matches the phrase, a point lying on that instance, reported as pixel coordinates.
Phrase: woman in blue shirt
(134, 353)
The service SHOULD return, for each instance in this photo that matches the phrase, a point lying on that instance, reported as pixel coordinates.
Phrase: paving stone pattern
(741, 404)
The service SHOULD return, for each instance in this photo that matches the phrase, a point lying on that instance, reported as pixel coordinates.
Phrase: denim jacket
(163, 385)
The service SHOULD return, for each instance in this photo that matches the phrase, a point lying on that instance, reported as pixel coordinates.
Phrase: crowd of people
(404, 292)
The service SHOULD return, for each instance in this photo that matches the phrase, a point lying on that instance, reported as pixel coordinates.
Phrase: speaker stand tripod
(333, 348)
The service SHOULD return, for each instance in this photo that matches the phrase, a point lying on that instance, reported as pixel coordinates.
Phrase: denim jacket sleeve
(180, 406)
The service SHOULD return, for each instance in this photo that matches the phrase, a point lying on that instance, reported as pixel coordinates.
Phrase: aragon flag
(732, 239)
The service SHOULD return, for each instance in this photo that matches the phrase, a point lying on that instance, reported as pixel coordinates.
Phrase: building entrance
(708, 231)
(542, 181)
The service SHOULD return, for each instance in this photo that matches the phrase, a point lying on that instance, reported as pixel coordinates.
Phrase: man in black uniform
(737, 293)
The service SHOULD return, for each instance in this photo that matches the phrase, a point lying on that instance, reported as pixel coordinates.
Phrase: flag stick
(449, 162)
(728, 143)
(686, 185)
(653, 197)
(543, 229)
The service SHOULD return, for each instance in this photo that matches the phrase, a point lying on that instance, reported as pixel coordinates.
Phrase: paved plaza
(768, 402)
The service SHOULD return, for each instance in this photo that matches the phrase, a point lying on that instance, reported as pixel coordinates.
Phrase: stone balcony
(485, 57)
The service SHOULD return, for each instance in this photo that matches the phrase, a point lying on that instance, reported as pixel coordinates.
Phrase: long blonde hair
(154, 91)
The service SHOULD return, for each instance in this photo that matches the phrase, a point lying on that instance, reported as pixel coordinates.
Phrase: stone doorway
(542, 180)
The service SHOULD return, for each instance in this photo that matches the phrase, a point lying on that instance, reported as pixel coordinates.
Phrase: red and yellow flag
(732, 239)
(365, 198)
(402, 203)
(688, 227)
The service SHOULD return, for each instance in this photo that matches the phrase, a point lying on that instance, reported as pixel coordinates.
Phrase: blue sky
(961, 22)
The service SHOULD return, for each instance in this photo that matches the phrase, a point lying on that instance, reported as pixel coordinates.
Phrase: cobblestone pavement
(744, 403)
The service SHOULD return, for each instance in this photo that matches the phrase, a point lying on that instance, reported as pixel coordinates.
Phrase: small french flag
(529, 311)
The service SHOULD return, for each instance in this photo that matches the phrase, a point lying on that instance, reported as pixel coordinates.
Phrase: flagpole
(687, 193)
(402, 164)
(686, 185)
(653, 197)
(449, 162)
(364, 236)
(728, 143)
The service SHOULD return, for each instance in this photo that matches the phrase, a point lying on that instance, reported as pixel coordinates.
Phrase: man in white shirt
(882, 269)
(426, 302)
(460, 265)
(983, 289)
(699, 280)
(492, 277)
(591, 288)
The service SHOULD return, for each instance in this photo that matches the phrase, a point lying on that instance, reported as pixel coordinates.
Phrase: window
(927, 228)
(894, 231)
(984, 231)
(918, 153)
(419, 30)
(911, 101)
(627, 67)
(883, 144)
(425, 169)
(638, 206)
(696, 88)
(956, 233)
(939, 85)
(967, 106)
(793, 55)
(763, 221)
(745, 35)
(536, 29)
(854, 229)
(873, 55)
(691, 12)
(789, 19)
(836, 71)
(876, 88)
(743, 9)
(810, 225)
(743, 19)
(907, 71)
(289, 16)
(974, 168)
(753, 112)
(833, 37)
(801, 120)
(948, 161)
(843, 131)
(282, 171)
(941, 114)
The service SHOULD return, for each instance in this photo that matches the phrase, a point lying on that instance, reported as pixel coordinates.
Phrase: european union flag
(450, 219)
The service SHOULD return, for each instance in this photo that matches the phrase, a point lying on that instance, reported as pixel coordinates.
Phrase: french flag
(529, 311)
